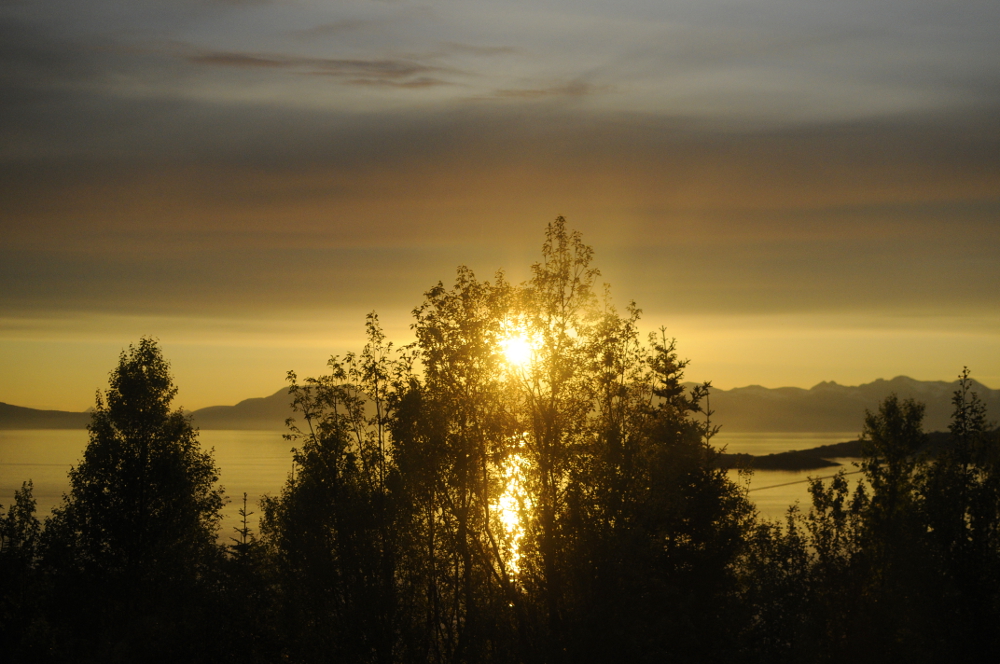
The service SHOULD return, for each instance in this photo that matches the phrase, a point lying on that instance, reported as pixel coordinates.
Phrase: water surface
(772, 443)
(258, 462)
(253, 461)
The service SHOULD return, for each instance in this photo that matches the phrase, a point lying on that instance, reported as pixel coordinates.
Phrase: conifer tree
(132, 545)
(143, 502)
(19, 602)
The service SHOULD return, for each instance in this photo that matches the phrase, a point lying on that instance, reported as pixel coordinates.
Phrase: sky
(798, 190)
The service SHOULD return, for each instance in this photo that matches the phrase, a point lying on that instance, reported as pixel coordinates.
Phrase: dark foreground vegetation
(529, 482)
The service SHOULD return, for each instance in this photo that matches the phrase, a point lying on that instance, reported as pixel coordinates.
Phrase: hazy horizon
(181, 403)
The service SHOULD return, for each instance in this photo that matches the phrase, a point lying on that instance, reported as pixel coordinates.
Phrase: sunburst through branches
(518, 346)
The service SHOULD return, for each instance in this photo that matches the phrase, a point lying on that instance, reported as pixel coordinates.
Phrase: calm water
(258, 462)
(774, 490)
(253, 461)
(772, 443)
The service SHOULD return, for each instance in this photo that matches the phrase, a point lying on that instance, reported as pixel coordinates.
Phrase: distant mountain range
(825, 407)
(832, 407)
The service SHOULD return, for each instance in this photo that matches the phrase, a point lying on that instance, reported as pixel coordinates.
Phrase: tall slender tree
(135, 537)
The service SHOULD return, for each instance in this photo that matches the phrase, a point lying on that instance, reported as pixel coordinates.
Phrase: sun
(517, 350)
(518, 346)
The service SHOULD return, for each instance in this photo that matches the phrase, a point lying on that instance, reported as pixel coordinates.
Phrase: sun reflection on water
(512, 507)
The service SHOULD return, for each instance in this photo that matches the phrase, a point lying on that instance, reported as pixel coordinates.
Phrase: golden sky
(800, 191)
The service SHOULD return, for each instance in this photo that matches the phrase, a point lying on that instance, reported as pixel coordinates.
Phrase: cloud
(762, 158)
(178, 206)
(220, 59)
(472, 49)
(243, 3)
(388, 71)
(422, 82)
(573, 89)
(31, 56)
(336, 28)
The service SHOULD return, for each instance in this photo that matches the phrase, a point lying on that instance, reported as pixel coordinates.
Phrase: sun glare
(518, 347)
(517, 350)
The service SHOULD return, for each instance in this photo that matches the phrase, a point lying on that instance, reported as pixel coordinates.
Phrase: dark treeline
(528, 482)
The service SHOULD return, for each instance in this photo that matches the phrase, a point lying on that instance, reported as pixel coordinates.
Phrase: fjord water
(773, 491)
(258, 462)
(253, 461)
(758, 443)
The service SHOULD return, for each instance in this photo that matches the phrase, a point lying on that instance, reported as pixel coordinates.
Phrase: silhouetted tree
(250, 626)
(19, 528)
(877, 574)
(778, 593)
(959, 499)
(896, 608)
(626, 525)
(332, 532)
(529, 481)
(23, 630)
(458, 504)
(136, 535)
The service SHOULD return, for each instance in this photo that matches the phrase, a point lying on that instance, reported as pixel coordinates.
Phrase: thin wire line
(808, 479)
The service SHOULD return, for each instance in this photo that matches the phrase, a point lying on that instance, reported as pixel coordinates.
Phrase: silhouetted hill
(17, 417)
(258, 413)
(822, 456)
(832, 407)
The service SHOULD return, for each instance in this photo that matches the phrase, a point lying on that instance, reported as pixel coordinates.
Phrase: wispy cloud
(243, 3)
(422, 82)
(397, 72)
(572, 89)
(239, 60)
